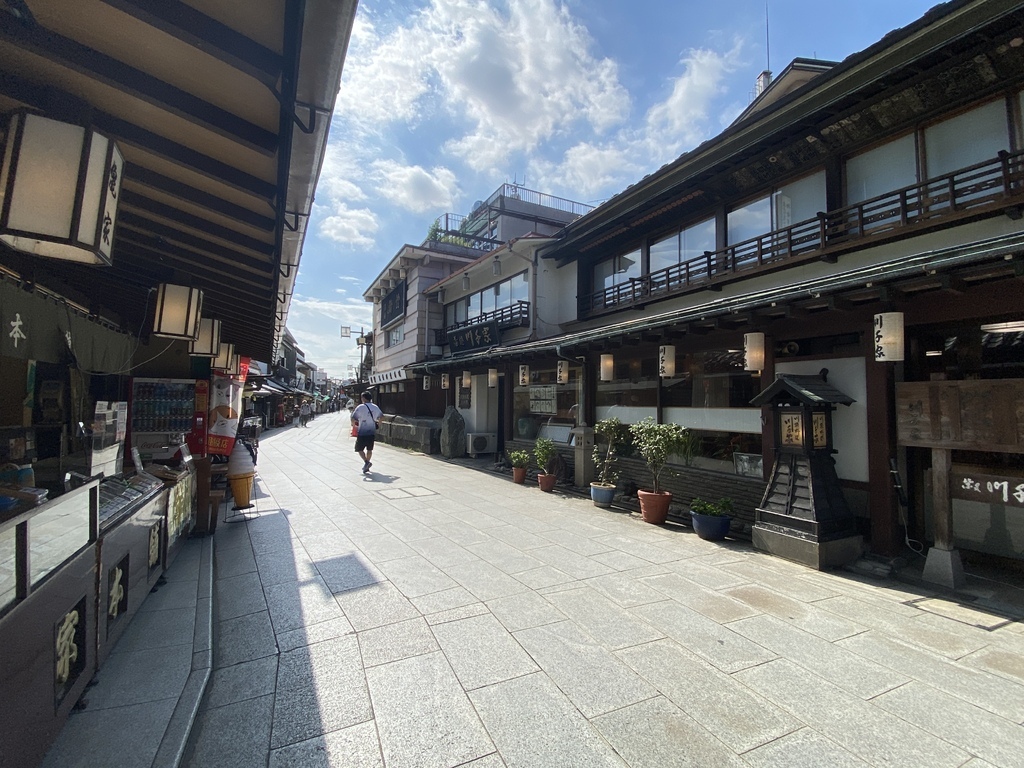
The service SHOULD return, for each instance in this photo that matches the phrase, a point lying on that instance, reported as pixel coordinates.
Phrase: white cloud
(414, 188)
(384, 78)
(511, 78)
(316, 325)
(681, 121)
(671, 126)
(354, 227)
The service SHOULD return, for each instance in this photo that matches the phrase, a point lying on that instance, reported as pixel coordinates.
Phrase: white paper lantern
(889, 337)
(667, 361)
(607, 367)
(753, 351)
(562, 372)
(62, 184)
(177, 312)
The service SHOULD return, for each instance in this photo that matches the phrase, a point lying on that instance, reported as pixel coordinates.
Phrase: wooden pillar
(882, 500)
(943, 565)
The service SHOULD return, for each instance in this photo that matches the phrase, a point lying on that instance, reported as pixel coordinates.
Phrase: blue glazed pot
(711, 527)
(602, 495)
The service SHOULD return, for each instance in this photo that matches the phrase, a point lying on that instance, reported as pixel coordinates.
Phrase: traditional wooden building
(863, 217)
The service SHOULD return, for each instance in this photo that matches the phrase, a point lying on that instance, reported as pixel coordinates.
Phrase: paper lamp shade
(177, 312)
(667, 361)
(753, 351)
(62, 183)
(208, 343)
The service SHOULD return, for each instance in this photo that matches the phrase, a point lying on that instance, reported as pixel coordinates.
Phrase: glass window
(946, 149)
(628, 266)
(474, 306)
(520, 288)
(487, 299)
(503, 299)
(449, 315)
(698, 238)
(633, 394)
(750, 221)
(461, 308)
(665, 252)
(545, 408)
(885, 168)
(616, 270)
(799, 200)
(394, 336)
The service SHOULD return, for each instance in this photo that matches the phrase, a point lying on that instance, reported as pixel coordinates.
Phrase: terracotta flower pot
(546, 482)
(519, 475)
(654, 506)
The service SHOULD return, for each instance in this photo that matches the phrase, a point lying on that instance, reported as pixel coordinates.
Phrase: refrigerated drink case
(164, 409)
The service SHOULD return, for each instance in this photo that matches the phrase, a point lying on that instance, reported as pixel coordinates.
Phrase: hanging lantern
(492, 377)
(467, 380)
(208, 343)
(401, 386)
(562, 372)
(465, 282)
(226, 359)
(667, 361)
(753, 351)
(60, 187)
(445, 381)
(524, 375)
(178, 311)
(426, 383)
(889, 337)
(607, 367)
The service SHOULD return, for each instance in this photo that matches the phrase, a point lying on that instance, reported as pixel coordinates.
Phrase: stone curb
(172, 746)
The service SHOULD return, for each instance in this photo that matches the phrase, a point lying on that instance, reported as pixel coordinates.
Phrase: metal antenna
(767, 40)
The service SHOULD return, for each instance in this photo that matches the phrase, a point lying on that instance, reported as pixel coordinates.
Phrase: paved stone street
(430, 615)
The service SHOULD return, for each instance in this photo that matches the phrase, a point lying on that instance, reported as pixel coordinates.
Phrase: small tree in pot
(606, 434)
(544, 452)
(656, 443)
(519, 460)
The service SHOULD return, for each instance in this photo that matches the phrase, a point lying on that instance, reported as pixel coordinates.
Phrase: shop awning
(221, 110)
(271, 388)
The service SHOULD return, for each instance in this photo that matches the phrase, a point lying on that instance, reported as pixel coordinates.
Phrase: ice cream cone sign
(241, 470)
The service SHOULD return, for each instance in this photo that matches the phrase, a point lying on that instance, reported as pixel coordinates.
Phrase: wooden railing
(992, 184)
(516, 316)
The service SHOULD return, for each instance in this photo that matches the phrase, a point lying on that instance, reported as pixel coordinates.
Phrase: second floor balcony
(515, 316)
(989, 188)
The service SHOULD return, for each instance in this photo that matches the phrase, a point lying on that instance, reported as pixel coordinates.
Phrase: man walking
(366, 418)
(304, 414)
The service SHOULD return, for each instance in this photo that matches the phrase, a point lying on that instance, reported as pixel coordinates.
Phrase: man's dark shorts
(364, 443)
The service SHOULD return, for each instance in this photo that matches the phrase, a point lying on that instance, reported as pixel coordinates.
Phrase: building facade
(881, 193)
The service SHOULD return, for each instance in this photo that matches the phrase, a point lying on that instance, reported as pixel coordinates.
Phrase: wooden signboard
(988, 489)
(986, 415)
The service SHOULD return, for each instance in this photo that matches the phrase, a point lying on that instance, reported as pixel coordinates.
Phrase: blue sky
(441, 101)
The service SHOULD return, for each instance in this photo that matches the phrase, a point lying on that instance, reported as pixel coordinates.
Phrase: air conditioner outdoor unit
(481, 442)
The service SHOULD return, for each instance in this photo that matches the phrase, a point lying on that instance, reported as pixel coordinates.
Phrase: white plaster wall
(849, 422)
(556, 297)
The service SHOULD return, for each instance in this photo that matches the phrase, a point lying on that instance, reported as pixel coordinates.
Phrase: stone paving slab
(476, 623)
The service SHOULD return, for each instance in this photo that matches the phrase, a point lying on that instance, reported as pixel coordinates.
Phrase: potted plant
(606, 434)
(520, 460)
(655, 443)
(544, 452)
(711, 519)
